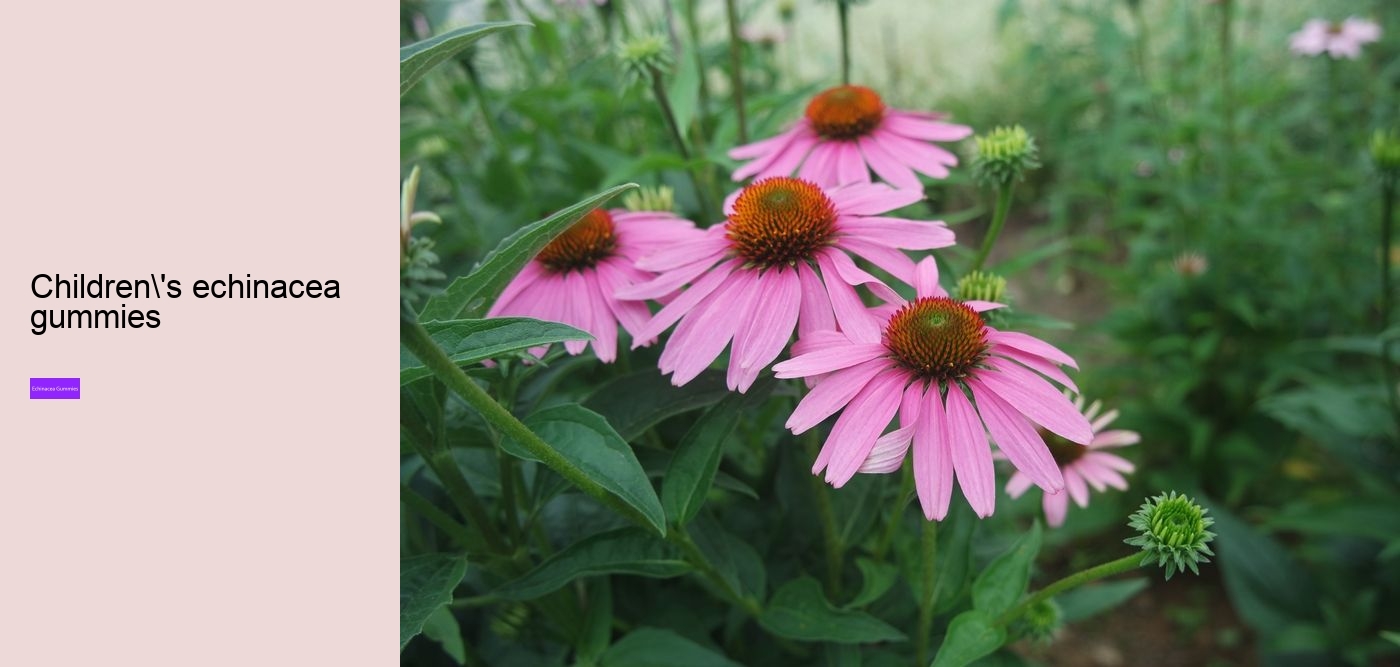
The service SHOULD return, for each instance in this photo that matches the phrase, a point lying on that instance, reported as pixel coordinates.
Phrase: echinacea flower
(1338, 40)
(781, 261)
(574, 278)
(846, 132)
(952, 380)
(1082, 466)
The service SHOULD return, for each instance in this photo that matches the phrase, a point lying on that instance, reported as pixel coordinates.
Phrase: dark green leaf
(442, 628)
(425, 584)
(474, 341)
(734, 558)
(472, 294)
(971, 635)
(1268, 588)
(693, 467)
(1004, 581)
(590, 444)
(636, 402)
(876, 579)
(598, 622)
(416, 59)
(799, 611)
(622, 551)
(652, 647)
(1086, 601)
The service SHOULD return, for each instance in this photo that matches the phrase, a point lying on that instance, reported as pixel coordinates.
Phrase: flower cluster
(794, 256)
(1337, 40)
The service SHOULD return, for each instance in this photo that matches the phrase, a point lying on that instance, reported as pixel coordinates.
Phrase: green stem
(426, 509)
(843, 11)
(440, 460)
(1388, 183)
(696, 558)
(998, 221)
(416, 339)
(505, 464)
(831, 538)
(658, 88)
(928, 549)
(906, 485)
(736, 69)
(1124, 564)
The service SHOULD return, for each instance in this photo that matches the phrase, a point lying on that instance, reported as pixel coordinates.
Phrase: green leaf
(442, 628)
(953, 573)
(1086, 601)
(876, 580)
(731, 556)
(636, 402)
(621, 551)
(472, 294)
(685, 88)
(416, 59)
(473, 341)
(588, 442)
(1004, 581)
(693, 466)
(652, 647)
(425, 584)
(1268, 588)
(598, 621)
(971, 635)
(799, 611)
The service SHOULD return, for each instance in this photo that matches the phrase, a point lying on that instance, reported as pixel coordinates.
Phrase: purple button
(54, 388)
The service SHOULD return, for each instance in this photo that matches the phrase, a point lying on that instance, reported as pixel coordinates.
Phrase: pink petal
(858, 427)
(711, 247)
(829, 360)
(853, 275)
(933, 460)
(763, 147)
(1074, 485)
(887, 167)
(815, 313)
(632, 315)
(782, 159)
(923, 158)
(576, 313)
(820, 167)
(1018, 484)
(900, 232)
(1103, 420)
(1091, 474)
(522, 282)
(1033, 397)
(888, 454)
(972, 457)
(851, 314)
(926, 278)
(1115, 438)
(705, 331)
(687, 300)
(832, 395)
(914, 127)
(664, 284)
(604, 327)
(1037, 364)
(850, 166)
(1056, 506)
(1032, 345)
(890, 260)
(819, 340)
(871, 198)
(776, 305)
(1017, 439)
(1111, 461)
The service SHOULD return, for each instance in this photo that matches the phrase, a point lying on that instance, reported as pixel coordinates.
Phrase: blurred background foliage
(1203, 237)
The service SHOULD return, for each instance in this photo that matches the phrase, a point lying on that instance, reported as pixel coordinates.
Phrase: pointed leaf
(1004, 581)
(800, 611)
(621, 551)
(1086, 601)
(472, 294)
(425, 584)
(876, 580)
(634, 403)
(474, 341)
(692, 470)
(971, 635)
(416, 59)
(653, 647)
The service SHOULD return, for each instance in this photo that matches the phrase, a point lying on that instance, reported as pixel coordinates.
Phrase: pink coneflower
(573, 279)
(1339, 40)
(948, 375)
(1082, 466)
(780, 261)
(846, 132)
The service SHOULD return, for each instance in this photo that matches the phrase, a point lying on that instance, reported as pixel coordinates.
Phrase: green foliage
(800, 611)
(1003, 582)
(693, 466)
(425, 585)
(971, 635)
(416, 59)
(474, 341)
(622, 551)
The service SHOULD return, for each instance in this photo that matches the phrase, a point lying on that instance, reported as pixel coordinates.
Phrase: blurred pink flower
(781, 261)
(573, 279)
(1082, 466)
(1339, 40)
(846, 132)
(925, 349)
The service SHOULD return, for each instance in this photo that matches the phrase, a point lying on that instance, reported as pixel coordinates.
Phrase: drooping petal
(1031, 344)
(933, 459)
(923, 158)
(829, 360)
(521, 283)
(891, 260)
(1074, 485)
(1034, 397)
(763, 147)
(1016, 438)
(710, 247)
(915, 127)
(820, 167)
(1018, 484)
(871, 198)
(858, 427)
(972, 457)
(1056, 506)
(576, 313)
(1111, 461)
(762, 337)
(1038, 364)
(632, 315)
(1103, 420)
(850, 166)
(900, 232)
(604, 327)
(851, 314)
(664, 284)
(815, 313)
(888, 454)
(855, 276)
(672, 312)
(833, 394)
(887, 167)
(705, 331)
(1115, 438)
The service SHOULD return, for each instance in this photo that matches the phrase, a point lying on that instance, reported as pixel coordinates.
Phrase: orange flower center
(591, 240)
(937, 338)
(780, 221)
(845, 112)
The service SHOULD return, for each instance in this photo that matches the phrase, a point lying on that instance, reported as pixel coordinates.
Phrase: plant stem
(906, 485)
(1124, 564)
(445, 467)
(1388, 182)
(831, 539)
(928, 550)
(998, 221)
(416, 339)
(658, 88)
(680, 538)
(843, 11)
(505, 464)
(736, 69)
(437, 517)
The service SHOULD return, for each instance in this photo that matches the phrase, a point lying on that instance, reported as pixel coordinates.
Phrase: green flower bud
(659, 198)
(643, 55)
(786, 9)
(1385, 150)
(1172, 531)
(1041, 620)
(509, 619)
(981, 286)
(1004, 155)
